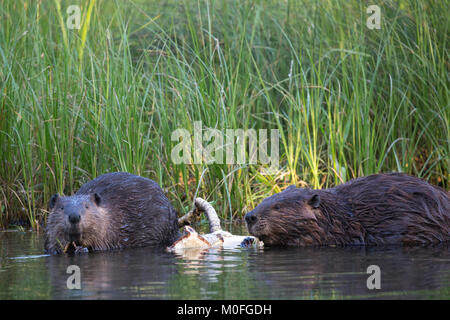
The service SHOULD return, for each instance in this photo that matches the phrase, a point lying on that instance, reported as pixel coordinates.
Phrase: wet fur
(133, 212)
(374, 210)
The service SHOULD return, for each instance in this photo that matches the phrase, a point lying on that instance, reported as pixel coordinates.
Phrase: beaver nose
(250, 217)
(74, 218)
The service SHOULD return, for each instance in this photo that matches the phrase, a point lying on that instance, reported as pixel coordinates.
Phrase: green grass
(348, 101)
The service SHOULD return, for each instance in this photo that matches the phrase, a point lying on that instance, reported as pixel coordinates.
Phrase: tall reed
(348, 101)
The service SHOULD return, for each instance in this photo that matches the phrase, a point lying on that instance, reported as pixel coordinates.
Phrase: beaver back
(377, 209)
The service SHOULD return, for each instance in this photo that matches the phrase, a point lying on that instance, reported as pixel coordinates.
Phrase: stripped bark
(217, 237)
(202, 205)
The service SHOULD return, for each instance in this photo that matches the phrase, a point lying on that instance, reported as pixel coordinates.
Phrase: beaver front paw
(81, 249)
(248, 242)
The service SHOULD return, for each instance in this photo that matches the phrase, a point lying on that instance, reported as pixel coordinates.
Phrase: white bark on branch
(202, 205)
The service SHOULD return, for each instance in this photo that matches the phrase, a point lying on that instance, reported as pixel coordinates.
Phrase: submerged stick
(202, 205)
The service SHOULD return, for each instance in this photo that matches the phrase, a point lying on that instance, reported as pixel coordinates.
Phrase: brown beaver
(115, 210)
(374, 210)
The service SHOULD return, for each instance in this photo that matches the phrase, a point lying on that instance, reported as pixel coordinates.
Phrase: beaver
(115, 210)
(378, 209)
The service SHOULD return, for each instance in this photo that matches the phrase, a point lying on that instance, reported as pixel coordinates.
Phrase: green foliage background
(348, 101)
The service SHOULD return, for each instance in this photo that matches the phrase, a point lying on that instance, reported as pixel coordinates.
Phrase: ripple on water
(235, 273)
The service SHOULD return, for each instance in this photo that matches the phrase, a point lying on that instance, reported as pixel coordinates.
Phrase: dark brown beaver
(378, 209)
(115, 210)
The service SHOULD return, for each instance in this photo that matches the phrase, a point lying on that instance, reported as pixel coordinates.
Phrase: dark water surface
(270, 273)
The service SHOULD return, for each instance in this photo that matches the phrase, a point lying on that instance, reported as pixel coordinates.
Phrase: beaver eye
(86, 206)
(62, 208)
(277, 207)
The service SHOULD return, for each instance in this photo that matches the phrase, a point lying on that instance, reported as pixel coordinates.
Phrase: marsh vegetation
(348, 101)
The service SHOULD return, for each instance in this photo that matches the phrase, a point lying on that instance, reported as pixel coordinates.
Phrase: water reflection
(237, 273)
(342, 272)
(133, 273)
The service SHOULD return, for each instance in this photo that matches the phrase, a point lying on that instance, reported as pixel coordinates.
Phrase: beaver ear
(53, 200)
(314, 201)
(291, 187)
(95, 198)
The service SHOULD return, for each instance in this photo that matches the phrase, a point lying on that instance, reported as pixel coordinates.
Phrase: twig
(202, 205)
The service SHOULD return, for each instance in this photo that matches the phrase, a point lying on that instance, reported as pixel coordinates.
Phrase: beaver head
(77, 220)
(287, 218)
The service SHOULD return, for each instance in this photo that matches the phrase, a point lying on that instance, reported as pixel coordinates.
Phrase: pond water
(269, 273)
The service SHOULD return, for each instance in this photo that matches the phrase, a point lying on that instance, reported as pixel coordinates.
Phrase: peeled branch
(202, 205)
(217, 236)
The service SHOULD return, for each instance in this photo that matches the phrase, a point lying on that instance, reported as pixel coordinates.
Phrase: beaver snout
(250, 218)
(74, 218)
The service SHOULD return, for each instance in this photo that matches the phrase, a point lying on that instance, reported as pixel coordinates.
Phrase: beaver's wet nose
(74, 218)
(250, 218)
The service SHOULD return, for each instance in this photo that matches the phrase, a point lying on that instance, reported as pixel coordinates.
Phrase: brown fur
(374, 210)
(116, 210)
